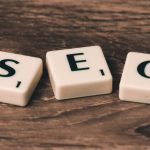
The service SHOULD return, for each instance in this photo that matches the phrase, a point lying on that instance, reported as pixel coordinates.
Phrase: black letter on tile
(73, 62)
(102, 72)
(9, 69)
(18, 84)
(141, 69)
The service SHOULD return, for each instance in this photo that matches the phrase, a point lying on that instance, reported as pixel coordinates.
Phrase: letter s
(9, 69)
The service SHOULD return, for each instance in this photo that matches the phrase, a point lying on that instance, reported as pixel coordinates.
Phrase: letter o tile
(135, 80)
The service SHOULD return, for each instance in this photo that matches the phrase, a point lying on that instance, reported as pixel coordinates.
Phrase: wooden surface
(33, 27)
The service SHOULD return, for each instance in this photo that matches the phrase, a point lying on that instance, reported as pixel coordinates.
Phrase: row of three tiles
(73, 73)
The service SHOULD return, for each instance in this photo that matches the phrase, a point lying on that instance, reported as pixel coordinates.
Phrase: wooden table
(33, 27)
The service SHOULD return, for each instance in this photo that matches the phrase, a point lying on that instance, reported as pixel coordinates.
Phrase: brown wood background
(33, 27)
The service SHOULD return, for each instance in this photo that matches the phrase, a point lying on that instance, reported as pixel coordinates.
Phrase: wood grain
(33, 27)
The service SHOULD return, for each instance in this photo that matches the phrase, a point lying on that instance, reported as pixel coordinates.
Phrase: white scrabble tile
(135, 81)
(19, 76)
(78, 72)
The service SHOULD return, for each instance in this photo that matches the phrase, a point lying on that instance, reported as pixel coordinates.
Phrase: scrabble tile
(19, 76)
(135, 81)
(78, 72)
